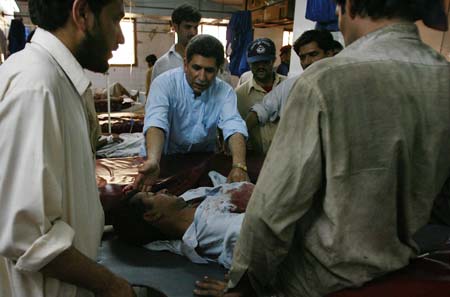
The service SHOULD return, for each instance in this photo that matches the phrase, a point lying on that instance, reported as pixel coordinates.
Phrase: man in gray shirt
(360, 154)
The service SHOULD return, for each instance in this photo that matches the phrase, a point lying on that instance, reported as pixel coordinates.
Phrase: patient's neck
(175, 225)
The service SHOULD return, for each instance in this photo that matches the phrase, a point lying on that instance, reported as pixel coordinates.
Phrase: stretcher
(173, 275)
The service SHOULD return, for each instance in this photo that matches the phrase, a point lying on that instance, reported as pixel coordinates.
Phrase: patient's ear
(151, 216)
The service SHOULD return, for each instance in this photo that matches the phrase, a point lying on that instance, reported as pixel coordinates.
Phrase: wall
(151, 39)
(440, 41)
(301, 24)
(273, 33)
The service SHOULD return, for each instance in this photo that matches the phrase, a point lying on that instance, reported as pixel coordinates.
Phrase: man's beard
(92, 52)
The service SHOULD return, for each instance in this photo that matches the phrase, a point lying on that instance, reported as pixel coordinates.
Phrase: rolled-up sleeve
(32, 232)
(268, 108)
(230, 121)
(289, 179)
(272, 105)
(157, 106)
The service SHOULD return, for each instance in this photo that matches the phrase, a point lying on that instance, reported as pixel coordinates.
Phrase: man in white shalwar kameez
(51, 219)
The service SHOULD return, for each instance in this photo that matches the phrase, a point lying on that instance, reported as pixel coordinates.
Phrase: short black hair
(187, 13)
(337, 46)
(53, 14)
(378, 9)
(130, 226)
(151, 59)
(323, 38)
(207, 46)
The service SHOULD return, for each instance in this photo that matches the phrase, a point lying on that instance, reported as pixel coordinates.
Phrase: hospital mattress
(166, 273)
(122, 122)
(173, 275)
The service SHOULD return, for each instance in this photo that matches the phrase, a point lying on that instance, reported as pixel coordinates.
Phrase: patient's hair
(377, 9)
(186, 13)
(323, 38)
(206, 46)
(130, 225)
(53, 14)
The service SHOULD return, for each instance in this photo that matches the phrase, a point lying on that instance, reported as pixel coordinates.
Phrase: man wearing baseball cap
(285, 57)
(261, 58)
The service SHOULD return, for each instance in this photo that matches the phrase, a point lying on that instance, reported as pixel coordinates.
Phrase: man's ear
(348, 8)
(151, 216)
(174, 27)
(185, 64)
(329, 53)
(82, 15)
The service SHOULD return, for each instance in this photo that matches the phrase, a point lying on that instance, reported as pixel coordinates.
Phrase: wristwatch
(240, 165)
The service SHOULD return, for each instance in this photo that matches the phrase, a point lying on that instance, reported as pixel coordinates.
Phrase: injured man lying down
(202, 224)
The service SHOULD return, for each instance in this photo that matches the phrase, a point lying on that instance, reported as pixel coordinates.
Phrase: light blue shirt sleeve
(230, 121)
(157, 106)
(272, 105)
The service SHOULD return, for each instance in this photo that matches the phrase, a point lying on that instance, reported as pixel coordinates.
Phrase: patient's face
(162, 202)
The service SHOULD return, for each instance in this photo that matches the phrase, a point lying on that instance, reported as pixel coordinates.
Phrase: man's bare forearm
(155, 142)
(71, 266)
(238, 148)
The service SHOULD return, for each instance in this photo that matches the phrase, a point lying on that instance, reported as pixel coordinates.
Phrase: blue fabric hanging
(330, 26)
(322, 11)
(239, 36)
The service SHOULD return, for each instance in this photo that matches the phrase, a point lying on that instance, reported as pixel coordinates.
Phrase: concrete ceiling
(208, 8)
(240, 3)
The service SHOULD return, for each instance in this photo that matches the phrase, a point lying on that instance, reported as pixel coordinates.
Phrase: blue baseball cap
(261, 49)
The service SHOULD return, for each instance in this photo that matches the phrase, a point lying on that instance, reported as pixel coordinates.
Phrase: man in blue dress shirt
(184, 109)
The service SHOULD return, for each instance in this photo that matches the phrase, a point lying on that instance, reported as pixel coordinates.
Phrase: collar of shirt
(406, 30)
(254, 85)
(64, 58)
(172, 51)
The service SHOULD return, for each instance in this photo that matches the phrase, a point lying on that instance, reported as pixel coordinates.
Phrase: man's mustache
(201, 83)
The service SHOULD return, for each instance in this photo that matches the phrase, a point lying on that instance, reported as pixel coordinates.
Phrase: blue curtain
(239, 36)
(324, 13)
(16, 36)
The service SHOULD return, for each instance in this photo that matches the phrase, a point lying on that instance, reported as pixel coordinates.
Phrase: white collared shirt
(169, 60)
(215, 229)
(48, 192)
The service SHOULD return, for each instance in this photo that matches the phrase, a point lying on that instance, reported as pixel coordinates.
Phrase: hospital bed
(172, 275)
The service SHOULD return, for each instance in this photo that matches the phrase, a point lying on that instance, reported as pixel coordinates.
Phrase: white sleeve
(31, 180)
